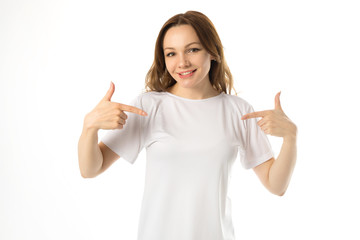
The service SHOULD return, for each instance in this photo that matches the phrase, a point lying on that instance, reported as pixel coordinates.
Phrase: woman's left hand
(275, 122)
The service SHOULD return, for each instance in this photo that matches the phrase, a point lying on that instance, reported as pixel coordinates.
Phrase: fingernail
(144, 113)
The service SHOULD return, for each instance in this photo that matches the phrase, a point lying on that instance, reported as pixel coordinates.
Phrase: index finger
(132, 109)
(255, 114)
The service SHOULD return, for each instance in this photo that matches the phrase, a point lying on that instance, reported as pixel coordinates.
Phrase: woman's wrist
(89, 129)
(291, 136)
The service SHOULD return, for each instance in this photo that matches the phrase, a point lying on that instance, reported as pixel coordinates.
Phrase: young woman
(192, 129)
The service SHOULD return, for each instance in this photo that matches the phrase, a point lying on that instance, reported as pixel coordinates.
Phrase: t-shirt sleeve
(257, 148)
(129, 141)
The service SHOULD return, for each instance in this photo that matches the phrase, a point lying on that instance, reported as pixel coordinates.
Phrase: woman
(192, 129)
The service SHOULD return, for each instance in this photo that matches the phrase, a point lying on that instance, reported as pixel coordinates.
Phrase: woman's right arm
(94, 157)
(89, 153)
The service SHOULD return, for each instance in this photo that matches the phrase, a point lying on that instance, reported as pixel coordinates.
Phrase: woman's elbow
(278, 192)
(85, 174)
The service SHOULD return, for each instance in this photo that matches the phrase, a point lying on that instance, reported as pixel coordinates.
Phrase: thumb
(110, 92)
(277, 101)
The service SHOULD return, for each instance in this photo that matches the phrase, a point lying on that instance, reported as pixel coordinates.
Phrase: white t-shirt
(190, 146)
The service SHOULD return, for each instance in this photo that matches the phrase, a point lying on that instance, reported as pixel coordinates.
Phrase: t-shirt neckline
(195, 100)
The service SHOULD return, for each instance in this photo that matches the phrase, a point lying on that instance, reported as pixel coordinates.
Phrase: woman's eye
(170, 54)
(194, 50)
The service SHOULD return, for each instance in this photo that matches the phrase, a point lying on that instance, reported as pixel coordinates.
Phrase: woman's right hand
(109, 115)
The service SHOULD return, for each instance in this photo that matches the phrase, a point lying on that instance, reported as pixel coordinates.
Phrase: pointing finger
(256, 114)
(132, 109)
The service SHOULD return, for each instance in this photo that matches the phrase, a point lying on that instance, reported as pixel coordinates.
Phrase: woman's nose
(183, 61)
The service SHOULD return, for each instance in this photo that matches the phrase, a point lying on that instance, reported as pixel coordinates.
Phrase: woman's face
(186, 59)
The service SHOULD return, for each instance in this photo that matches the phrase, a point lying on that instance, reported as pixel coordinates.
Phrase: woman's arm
(89, 154)
(94, 157)
(276, 174)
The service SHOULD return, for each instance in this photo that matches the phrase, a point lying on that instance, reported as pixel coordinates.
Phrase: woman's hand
(275, 122)
(109, 115)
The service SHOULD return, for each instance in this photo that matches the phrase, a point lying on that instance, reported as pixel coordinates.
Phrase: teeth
(186, 73)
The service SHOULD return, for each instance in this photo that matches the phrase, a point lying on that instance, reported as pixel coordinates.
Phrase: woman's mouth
(186, 74)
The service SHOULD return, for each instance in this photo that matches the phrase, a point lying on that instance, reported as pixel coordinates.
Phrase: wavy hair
(158, 79)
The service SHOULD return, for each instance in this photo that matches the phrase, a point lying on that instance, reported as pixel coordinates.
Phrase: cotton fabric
(191, 146)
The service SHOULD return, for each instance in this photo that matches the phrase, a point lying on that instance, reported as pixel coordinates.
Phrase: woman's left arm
(274, 174)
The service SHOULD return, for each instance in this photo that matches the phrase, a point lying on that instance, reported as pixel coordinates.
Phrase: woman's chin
(185, 83)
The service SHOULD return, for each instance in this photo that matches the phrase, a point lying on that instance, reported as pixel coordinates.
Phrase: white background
(57, 59)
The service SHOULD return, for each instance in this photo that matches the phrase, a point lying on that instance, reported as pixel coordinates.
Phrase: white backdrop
(57, 59)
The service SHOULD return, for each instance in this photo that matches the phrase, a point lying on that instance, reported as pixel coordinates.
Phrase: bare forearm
(282, 168)
(89, 153)
(276, 174)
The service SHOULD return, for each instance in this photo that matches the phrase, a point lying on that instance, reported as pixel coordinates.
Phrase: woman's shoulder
(237, 101)
(150, 98)
(144, 96)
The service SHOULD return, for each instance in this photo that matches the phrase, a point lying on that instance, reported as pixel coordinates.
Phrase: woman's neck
(192, 93)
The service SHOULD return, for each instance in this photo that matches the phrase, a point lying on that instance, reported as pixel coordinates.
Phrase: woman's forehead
(180, 36)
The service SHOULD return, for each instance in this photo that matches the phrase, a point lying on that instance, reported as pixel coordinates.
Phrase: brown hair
(158, 79)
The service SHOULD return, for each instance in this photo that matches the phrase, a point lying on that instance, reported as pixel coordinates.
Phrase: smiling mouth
(186, 74)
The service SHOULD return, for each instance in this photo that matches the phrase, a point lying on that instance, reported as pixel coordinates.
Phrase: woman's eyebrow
(187, 45)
